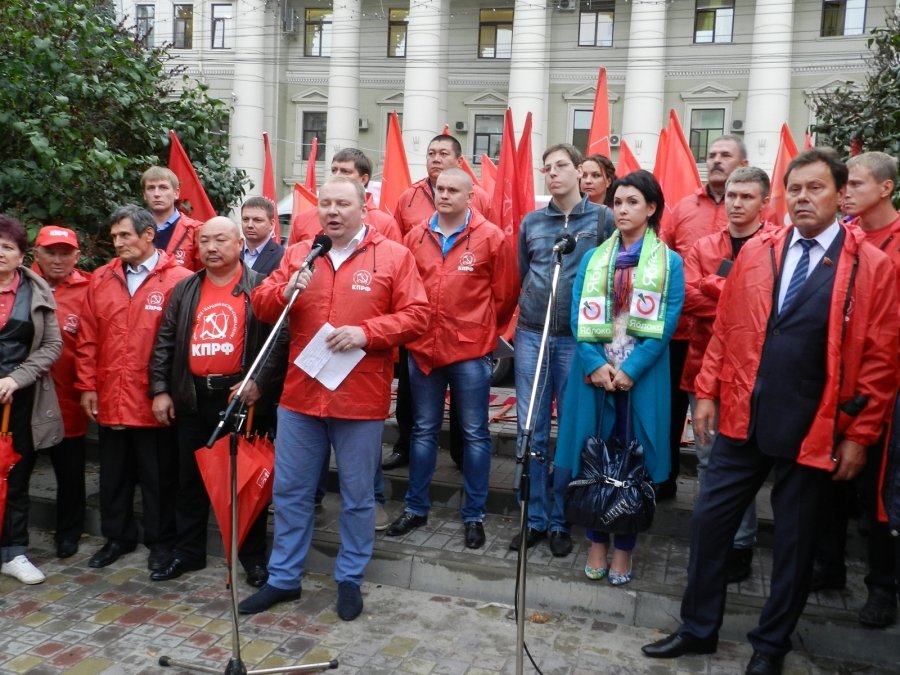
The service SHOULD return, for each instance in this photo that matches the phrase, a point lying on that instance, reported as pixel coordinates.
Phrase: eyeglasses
(556, 168)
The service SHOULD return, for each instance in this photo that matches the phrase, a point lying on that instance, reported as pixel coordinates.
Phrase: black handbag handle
(629, 426)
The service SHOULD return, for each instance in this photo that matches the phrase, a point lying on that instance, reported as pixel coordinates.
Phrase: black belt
(216, 382)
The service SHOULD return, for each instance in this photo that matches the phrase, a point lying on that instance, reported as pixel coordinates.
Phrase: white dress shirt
(135, 276)
(795, 250)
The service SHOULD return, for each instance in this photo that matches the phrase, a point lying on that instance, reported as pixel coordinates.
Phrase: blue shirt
(447, 242)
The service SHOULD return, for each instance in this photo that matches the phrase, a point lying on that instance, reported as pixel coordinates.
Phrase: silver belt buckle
(209, 382)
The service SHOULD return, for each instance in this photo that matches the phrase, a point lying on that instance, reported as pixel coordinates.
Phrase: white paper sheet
(328, 367)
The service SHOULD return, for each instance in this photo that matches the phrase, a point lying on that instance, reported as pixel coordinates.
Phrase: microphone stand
(523, 465)
(236, 411)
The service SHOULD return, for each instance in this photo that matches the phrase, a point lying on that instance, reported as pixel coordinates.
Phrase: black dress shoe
(678, 644)
(560, 543)
(406, 523)
(159, 559)
(175, 569)
(111, 551)
(823, 579)
(257, 576)
(66, 549)
(533, 537)
(739, 566)
(395, 461)
(765, 664)
(265, 597)
(474, 534)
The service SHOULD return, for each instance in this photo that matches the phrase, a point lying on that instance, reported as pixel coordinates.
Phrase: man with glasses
(569, 212)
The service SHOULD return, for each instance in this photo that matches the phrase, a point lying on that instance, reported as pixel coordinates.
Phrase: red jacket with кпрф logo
(69, 297)
(417, 204)
(861, 355)
(378, 289)
(116, 338)
(306, 225)
(472, 291)
(183, 246)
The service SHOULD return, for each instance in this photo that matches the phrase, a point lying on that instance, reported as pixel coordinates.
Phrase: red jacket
(183, 246)
(306, 225)
(378, 289)
(116, 339)
(861, 353)
(69, 296)
(416, 204)
(694, 217)
(702, 288)
(472, 291)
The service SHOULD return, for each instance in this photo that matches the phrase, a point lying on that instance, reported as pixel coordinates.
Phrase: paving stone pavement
(115, 621)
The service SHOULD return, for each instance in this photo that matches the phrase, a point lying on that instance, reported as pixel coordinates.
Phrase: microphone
(564, 244)
(321, 246)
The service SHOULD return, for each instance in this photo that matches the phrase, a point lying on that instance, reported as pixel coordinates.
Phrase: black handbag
(612, 491)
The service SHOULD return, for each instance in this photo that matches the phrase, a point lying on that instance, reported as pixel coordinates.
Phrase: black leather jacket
(169, 368)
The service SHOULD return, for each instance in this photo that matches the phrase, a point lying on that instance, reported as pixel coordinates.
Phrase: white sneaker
(382, 521)
(21, 568)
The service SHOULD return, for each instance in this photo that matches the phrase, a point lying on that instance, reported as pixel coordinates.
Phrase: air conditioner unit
(288, 19)
(461, 127)
(737, 125)
(363, 123)
(567, 5)
(615, 140)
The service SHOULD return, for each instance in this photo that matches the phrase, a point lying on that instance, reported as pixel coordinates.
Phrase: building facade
(336, 69)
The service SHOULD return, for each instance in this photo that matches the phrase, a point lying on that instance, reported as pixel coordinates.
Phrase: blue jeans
(545, 505)
(322, 487)
(470, 385)
(746, 534)
(302, 446)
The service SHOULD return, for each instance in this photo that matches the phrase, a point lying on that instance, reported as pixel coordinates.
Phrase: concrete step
(433, 559)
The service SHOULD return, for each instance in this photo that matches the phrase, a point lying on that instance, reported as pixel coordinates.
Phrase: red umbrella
(8, 459)
(255, 463)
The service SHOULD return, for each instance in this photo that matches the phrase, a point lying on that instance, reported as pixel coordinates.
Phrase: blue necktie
(799, 276)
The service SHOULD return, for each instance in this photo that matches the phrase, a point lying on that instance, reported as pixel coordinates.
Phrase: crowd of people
(781, 340)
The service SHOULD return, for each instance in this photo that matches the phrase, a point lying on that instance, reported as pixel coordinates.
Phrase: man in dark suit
(803, 363)
(261, 253)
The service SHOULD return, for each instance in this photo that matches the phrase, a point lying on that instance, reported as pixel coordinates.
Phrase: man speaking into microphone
(367, 290)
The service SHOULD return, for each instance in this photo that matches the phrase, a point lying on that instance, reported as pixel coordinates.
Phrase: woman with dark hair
(626, 301)
(597, 174)
(30, 342)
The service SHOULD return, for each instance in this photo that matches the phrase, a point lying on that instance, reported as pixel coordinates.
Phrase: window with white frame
(595, 23)
(714, 21)
(487, 137)
(581, 127)
(843, 17)
(313, 127)
(145, 20)
(495, 33)
(222, 29)
(183, 35)
(398, 20)
(317, 32)
(707, 124)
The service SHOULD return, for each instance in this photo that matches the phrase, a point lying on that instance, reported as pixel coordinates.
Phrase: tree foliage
(866, 118)
(84, 109)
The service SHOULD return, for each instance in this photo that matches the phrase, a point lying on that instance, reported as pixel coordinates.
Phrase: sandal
(595, 573)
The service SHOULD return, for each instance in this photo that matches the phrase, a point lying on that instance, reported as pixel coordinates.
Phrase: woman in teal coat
(626, 301)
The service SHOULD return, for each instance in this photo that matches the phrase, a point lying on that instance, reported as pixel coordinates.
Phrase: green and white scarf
(647, 312)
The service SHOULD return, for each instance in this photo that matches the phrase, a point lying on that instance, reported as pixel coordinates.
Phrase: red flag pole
(268, 186)
(310, 182)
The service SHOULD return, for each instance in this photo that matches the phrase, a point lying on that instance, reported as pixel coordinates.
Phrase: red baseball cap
(54, 234)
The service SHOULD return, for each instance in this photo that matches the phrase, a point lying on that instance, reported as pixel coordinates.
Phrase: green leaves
(84, 110)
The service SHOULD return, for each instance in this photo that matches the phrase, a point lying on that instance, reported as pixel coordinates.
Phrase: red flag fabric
(395, 173)
(488, 174)
(506, 193)
(855, 147)
(303, 201)
(446, 130)
(807, 142)
(659, 165)
(8, 459)
(787, 150)
(627, 161)
(310, 182)
(191, 193)
(465, 166)
(680, 177)
(268, 186)
(598, 138)
(525, 172)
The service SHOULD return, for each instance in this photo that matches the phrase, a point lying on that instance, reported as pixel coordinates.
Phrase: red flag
(465, 166)
(807, 142)
(310, 182)
(268, 186)
(680, 177)
(855, 147)
(395, 173)
(506, 194)
(488, 174)
(659, 165)
(525, 172)
(787, 150)
(191, 191)
(627, 161)
(598, 138)
(303, 201)
(446, 130)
